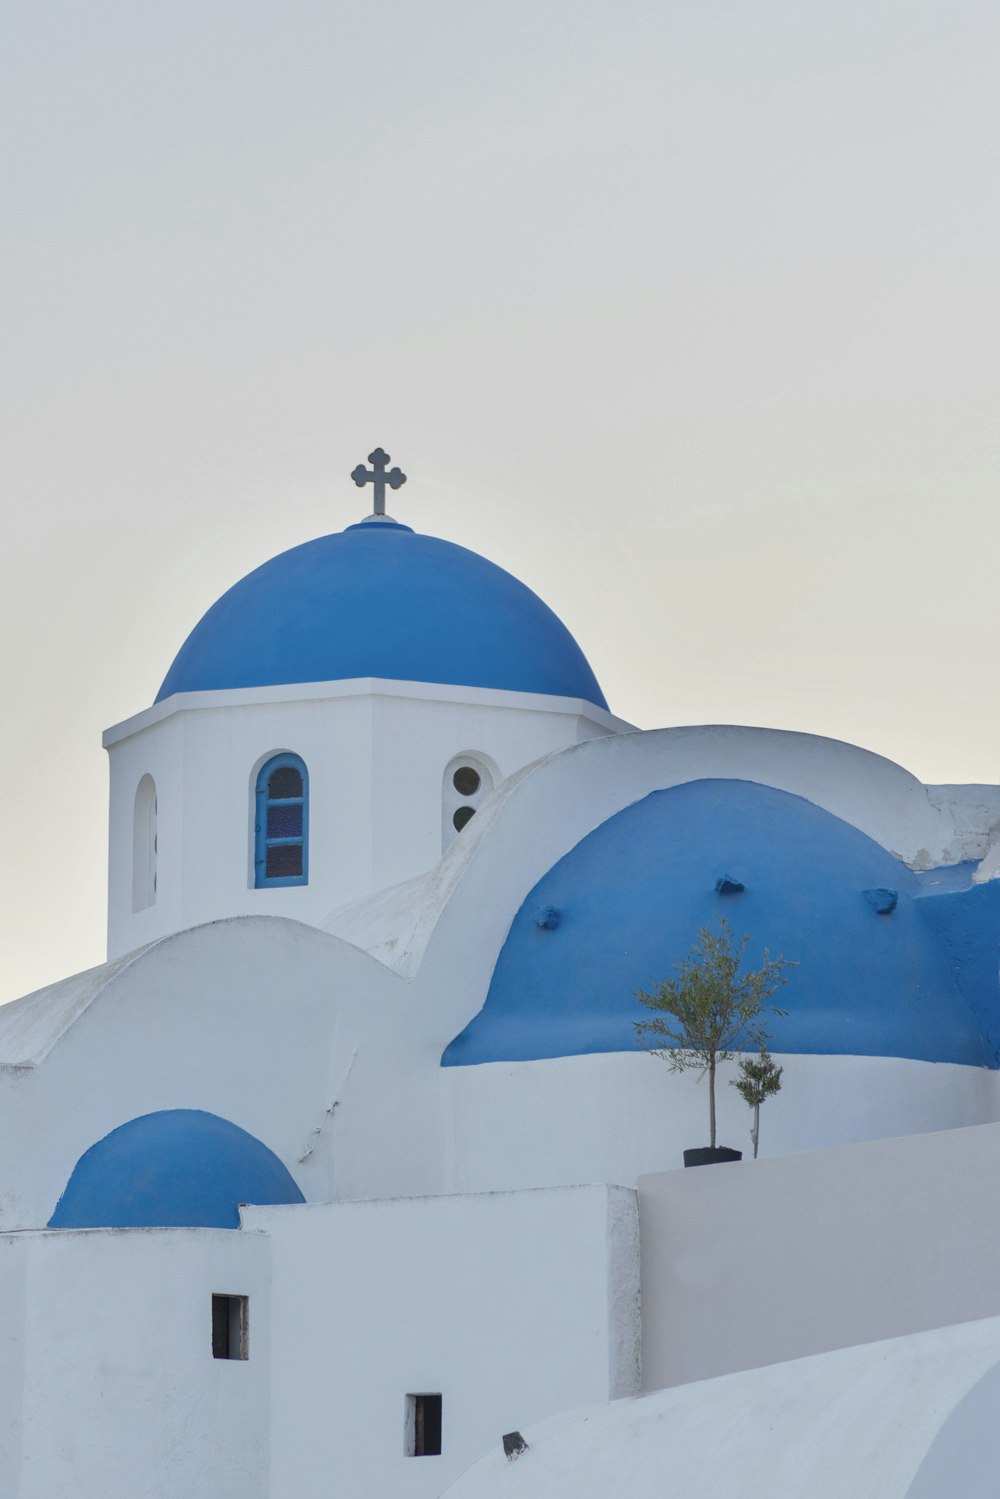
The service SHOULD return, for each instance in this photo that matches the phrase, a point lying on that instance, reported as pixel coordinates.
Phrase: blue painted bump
(179, 1168)
(378, 600)
(635, 892)
(883, 901)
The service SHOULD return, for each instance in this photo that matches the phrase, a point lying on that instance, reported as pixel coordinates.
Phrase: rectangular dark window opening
(283, 861)
(423, 1425)
(284, 783)
(284, 821)
(230, 1327)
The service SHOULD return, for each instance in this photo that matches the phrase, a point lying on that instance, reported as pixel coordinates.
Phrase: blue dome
(913, 976)
(377, 600)
(177, 1169)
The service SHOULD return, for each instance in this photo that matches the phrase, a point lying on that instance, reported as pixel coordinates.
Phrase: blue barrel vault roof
(379, 600)
(914, 976)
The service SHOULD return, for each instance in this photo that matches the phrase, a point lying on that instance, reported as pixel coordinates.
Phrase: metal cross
(377, 475)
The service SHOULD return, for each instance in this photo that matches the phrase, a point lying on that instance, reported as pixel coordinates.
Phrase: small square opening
(423, 1425)
(230, 1326)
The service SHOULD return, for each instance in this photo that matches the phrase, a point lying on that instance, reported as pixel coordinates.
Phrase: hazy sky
(686, 313)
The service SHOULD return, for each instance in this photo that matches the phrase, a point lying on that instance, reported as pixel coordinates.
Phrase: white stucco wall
(511, 1306)
(375, 752)
(615, 1116)
(110, 1390)
(861, 1422)
(755, 1262)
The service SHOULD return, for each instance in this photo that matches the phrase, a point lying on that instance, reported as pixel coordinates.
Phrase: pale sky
(686, 313)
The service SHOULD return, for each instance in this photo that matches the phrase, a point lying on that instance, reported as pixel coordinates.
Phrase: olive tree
(758, 1081)
(711, 1009)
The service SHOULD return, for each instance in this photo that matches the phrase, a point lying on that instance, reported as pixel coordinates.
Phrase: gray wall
(751, 1263)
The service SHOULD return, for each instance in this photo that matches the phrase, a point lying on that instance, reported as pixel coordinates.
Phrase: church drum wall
(375, 752)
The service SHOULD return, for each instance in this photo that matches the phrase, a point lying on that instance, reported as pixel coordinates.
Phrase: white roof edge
(241, 697)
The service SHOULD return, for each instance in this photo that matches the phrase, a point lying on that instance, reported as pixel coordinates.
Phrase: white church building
(346, 1165)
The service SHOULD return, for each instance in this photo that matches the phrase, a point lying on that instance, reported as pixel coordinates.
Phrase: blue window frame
(281, 823)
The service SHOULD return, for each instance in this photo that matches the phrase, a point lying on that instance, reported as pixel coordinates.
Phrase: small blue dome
(177, 1169)
(896, 978)
(377, 600)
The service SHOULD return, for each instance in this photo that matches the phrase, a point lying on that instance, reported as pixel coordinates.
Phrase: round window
(466, 781)
(462, 816)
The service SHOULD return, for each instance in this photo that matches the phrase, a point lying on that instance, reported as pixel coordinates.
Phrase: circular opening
(462, 816)
(466, 781)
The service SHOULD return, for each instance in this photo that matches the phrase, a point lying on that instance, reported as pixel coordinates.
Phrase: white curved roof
(30, 1026)
(879, 1421)
(541, 812)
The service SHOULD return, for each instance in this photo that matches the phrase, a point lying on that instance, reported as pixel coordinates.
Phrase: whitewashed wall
(375, 752)
(615, 1116)
(511, 1306)
(109, 1387)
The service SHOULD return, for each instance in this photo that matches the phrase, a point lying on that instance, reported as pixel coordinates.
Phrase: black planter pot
(706, 1155)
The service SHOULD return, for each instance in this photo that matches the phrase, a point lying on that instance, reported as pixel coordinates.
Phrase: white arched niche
(467, 782)
(144, 845)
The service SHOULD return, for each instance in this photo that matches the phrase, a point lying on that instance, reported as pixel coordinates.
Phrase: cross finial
(376, 475)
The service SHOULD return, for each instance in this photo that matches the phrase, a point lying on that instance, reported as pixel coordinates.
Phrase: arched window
(468, 781)
(144, 845)
(281, 823)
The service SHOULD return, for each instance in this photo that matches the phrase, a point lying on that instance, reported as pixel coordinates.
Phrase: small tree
(710, 1006)
(759, 1079)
